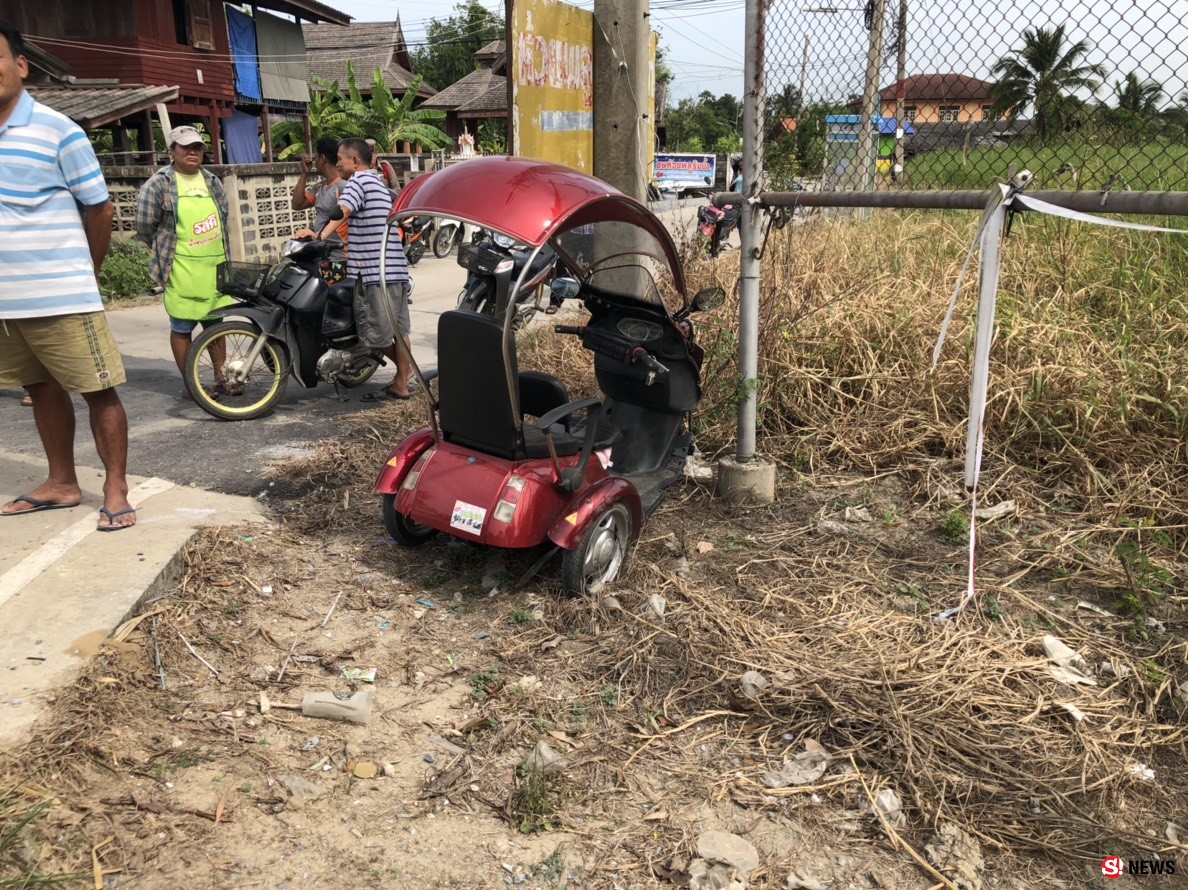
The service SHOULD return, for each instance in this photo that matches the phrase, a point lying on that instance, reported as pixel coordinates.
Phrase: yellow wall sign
(552, 71)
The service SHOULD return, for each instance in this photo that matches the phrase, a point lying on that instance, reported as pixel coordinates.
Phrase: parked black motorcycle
(299, 320)
(416, 232)
(492, 266)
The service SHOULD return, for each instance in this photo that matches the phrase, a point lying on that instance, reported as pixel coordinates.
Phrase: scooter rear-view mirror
(337, 213)
(708, 299)
(565, 288)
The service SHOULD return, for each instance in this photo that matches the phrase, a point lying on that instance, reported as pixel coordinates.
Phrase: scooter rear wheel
(601, 554)
(402, 529)
(443, 241)
(223, 348)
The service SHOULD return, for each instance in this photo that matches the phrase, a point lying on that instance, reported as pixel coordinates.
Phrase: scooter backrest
(476, 408)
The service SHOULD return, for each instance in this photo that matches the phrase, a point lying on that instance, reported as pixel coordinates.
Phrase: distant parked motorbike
(416, 232)
(300, 321)
(491, 267)
(715, 225)
(453, 233)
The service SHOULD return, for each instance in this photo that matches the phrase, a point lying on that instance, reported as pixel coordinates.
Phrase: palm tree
(1042, 74)
(1139, 97)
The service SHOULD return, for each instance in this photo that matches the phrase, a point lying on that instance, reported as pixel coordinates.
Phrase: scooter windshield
(620, 259)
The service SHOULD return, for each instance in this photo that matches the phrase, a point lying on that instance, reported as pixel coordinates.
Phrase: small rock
(390, 770)
(722, 846)
(831, 527)
(858, 514)
(957, 855)
(704, 547)
(682, 567)
(545, 761)
(528, 682)
(753, 683)
(612, 604)
(695, 468)
(803, 769)
(300, 789)
(430, 758)
(798, 880)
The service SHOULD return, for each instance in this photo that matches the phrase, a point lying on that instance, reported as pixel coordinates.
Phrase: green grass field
(1157, 165)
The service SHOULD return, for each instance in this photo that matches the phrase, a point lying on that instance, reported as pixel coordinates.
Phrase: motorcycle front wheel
(443, 241)
(414, 252)
(222, 350)
(361, 373)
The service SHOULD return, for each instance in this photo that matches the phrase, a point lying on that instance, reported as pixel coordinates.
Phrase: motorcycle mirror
(707, 299)
(566, 288)
(337, 213)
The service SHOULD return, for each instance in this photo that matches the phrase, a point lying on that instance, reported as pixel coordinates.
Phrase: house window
(909, 112)
(988, 113)
(949, 113)
(192, 23)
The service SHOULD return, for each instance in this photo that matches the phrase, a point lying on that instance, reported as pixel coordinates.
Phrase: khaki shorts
(371, 319)
(78, 351)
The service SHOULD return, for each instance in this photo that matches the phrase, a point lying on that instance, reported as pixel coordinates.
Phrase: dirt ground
(158, 769)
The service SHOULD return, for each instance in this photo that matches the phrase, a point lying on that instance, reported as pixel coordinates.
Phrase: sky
(703, 40)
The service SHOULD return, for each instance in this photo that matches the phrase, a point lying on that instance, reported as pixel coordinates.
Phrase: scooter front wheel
(402, 529)
(359, 374)
(220, 380)
(443, 241)
(601, 554)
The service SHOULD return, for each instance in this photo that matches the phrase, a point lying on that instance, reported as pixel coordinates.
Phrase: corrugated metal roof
(96, 106)
(307, 9)
(368, 45)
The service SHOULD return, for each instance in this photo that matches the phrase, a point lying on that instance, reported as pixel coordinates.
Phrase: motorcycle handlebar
(568, 329)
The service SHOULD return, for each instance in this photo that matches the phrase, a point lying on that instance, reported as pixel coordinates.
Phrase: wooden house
(173, 43)
(480, 95)
(368, 46)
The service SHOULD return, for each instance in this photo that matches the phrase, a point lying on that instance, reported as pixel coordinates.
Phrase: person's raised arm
(300, 195)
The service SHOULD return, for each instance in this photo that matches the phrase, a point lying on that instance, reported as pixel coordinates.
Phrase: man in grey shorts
(366, 203)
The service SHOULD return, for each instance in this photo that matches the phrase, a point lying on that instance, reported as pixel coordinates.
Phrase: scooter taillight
(505, 510)
(414, 475)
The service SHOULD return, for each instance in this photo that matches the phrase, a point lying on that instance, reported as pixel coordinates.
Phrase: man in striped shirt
(54, 338)
(366, 203)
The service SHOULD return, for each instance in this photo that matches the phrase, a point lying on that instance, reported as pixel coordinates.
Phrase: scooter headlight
(504, 241)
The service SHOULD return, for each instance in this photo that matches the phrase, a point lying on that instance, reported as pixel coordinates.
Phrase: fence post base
(746, 482)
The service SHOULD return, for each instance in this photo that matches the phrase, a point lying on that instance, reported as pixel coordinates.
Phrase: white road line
(25, 571)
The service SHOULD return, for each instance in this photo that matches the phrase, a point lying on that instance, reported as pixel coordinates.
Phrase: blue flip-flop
(111, 517)
(37, 505)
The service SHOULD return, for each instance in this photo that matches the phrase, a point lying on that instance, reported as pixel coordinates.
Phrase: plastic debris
(752, 684)
(426, 604)
(803, 769)
(1066, 665)
(360, 675)
(891, 807)
(545, 761)
(986, 514)
(1141, 771)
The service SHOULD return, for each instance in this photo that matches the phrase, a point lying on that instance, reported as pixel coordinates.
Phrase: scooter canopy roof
(532, 201)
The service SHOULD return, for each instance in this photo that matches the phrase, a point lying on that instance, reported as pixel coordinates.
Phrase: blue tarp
(887, 127)
(242, 133)
(242, 28)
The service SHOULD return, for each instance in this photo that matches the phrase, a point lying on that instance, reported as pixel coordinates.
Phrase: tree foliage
(380, 116)
(1043, 74)
(450, 45)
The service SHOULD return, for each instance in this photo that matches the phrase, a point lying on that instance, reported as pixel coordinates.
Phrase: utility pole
(622, 127)
(900, 93)
(860, 177)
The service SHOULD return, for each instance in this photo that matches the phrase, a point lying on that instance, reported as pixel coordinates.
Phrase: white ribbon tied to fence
(988, 239)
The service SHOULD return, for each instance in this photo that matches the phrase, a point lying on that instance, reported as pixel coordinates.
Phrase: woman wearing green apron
(181, 213)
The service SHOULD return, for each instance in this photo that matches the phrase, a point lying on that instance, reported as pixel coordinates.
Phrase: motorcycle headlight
(291, 248)
(504, 241)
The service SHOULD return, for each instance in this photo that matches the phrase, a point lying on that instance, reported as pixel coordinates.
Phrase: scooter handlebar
(568, 329)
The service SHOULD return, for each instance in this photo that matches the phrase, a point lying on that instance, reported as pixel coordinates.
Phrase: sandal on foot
(112, 517)
(384, 395)
(37, 505)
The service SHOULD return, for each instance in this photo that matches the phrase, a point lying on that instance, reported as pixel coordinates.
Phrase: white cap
(185, 136)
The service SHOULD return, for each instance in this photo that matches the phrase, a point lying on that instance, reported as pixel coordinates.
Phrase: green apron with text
(191, 293)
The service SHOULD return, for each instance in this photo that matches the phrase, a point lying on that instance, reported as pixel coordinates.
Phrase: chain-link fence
(944, 94)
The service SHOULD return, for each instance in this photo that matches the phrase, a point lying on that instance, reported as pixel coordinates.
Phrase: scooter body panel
(488, 500)
(584, 509)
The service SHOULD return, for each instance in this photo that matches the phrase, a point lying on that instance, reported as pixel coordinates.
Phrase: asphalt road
(176, 440)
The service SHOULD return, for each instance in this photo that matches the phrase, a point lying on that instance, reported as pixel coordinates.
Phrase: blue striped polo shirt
(370, 202)
(48, 171)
